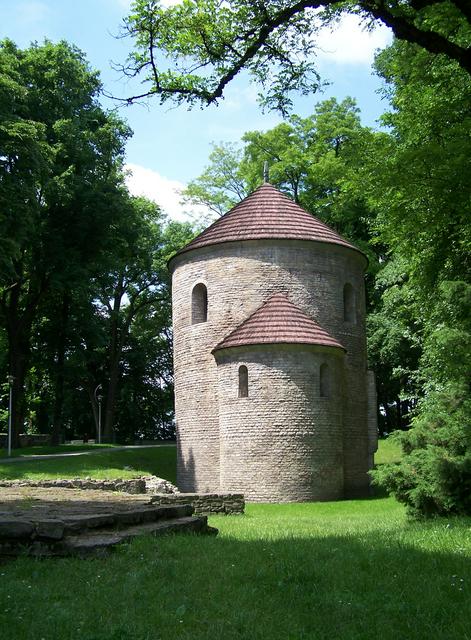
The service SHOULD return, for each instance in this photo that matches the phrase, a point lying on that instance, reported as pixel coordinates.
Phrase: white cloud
(165, 192)
(349, 43)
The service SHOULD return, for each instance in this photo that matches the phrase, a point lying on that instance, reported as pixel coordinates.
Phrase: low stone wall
(27, 439)
(133, 485)
(161, 491)
(204, 503)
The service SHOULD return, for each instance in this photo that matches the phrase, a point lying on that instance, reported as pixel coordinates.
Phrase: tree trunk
(398, 413)
(113, 378)
(18, 360)
(18, 320)
(91, 394)
(57, 434)
(113, 365)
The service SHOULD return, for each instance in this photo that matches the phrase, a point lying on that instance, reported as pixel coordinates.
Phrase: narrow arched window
(349, 303)
(199, 304)
(324, 381)
(243, 382)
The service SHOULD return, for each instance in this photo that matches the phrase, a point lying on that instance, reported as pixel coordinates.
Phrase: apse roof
(266, 213)
(278, 321)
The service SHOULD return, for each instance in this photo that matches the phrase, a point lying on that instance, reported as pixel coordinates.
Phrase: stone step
(55, 529)
(118, 519)
(49, 525)
(99, 542)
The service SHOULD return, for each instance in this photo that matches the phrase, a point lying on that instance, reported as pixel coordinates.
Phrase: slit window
(199, 304)
(324, 381)
(243, 382)
(349, 303)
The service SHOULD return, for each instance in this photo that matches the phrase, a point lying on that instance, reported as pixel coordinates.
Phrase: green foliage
(203, 41)
(82, 264)
(190, 51)
(423, 178)
(394, 328)
(223, 183)
(60, 177)
(447, 345)
(434, 476)
(423, 195)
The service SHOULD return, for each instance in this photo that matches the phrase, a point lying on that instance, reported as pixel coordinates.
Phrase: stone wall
(134, 485)
(27, 439)
(204, 503)
(284, 442)
(240, 277)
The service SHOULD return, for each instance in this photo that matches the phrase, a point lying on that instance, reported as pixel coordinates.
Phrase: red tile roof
(266, 213)
(278, 321)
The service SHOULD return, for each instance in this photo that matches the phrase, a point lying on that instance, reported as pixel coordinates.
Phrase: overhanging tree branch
(208, 46)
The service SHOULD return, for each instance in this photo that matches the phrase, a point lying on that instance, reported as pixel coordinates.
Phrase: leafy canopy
(191, 51)
(422, 191)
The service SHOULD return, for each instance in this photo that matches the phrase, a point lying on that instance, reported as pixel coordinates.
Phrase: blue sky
(170, 146)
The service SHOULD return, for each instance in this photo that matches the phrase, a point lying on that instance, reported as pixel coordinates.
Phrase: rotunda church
(272, 394)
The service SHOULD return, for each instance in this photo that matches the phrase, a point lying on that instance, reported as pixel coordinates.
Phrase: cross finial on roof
(266, 176)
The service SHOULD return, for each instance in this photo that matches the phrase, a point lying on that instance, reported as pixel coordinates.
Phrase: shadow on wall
(186, 473)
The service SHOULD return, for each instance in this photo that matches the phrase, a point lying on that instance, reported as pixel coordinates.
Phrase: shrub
(434, 476)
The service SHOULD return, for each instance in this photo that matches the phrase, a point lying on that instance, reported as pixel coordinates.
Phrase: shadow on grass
(410, 582)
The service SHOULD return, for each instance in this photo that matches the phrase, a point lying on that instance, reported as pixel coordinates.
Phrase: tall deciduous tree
(422, 189)
(60, 161)
(132, 285)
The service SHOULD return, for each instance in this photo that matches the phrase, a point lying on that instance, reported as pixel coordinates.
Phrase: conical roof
(266, 213)
(278, 321)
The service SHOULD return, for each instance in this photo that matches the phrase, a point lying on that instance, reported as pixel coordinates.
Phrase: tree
(60, 180)
(315, 160)
(222, 184)
(134, 283)
(394, 331)
(422, 190)
(191, 51)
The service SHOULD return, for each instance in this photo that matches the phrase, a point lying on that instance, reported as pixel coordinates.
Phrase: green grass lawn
(353, 570)
(160, 461)
(388, 451)
(42, 450)
(350, 570)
